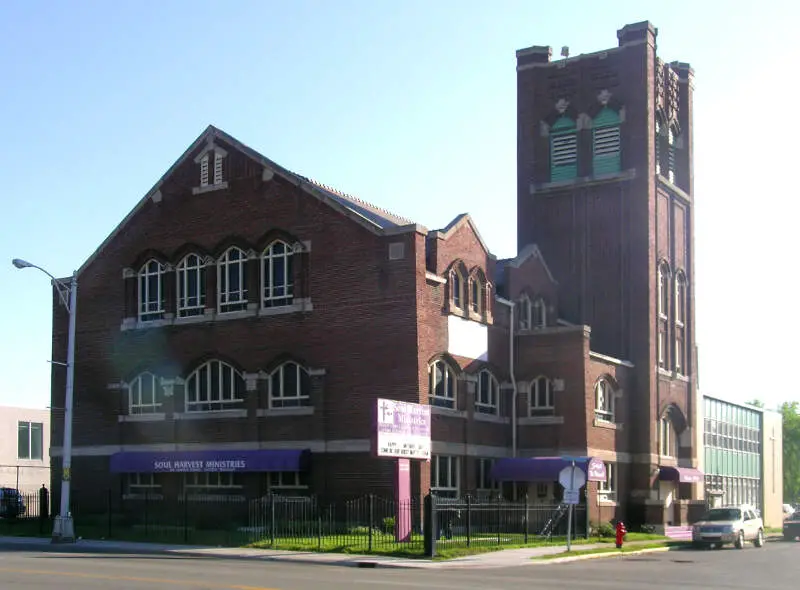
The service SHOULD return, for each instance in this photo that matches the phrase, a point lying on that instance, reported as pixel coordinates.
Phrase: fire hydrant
(621, 531)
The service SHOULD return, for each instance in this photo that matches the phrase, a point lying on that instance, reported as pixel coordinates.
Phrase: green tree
(791, 451)
(757, 403)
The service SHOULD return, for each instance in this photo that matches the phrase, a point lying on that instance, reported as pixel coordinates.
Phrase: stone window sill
(541, 420)
(493, 418)
(154, 417)
(212, 415)
(448, 412)
(298, 411)
(199, 190)
(212, 315)
(600, 423)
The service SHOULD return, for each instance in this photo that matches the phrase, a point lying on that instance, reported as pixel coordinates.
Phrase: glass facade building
(733, 453)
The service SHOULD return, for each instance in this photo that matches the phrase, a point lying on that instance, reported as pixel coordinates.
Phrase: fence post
(272, 520)
(44, 507)
(526, 519)
(110, 512)
(586, 507)
(469, 519)
(319, 529)
(146, 496)
(371, 519)
(499, 502)
(185, 517)
(429, 519)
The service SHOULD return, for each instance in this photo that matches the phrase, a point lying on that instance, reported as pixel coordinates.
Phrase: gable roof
(531, 250)
(373, 218)
(458, 222)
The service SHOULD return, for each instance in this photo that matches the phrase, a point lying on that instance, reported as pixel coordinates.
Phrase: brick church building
(247, 315)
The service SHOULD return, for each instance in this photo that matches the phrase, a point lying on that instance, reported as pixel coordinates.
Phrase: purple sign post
(403, 432)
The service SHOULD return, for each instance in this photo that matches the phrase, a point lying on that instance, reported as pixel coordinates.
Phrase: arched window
(442, 384)
(680, 322)
(232, 280)
(277, 275)
(606, 142)
(663, 312)
(457, 289)
(151, 291)
(541, 397)
(563, 150)
(144, 394)
(524, 312)
(475, 293)
(289, 386)
(191, 277)
(487, 399)
(539, 313)
(663, 290)
(214, 385)
(666, 431)
(604, 401)
(671, 146)
(680, 298)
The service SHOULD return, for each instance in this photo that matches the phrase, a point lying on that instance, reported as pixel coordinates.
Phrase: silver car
(729, 524)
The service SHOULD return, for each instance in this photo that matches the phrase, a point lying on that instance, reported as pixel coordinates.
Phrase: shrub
(388, 525)
(605, 529)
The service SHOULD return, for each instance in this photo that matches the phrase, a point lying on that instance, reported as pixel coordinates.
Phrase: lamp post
(63, 527)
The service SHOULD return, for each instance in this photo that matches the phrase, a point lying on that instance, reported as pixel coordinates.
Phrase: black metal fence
(24, 514)
(368, 524)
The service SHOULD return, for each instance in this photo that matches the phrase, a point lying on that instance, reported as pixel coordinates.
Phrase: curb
(541, 561)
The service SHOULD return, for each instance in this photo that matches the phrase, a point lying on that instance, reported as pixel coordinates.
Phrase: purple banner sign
(403, 429)
(208, 461)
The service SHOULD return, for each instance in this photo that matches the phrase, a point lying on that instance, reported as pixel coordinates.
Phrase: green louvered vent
(563, 150)
(606, 143)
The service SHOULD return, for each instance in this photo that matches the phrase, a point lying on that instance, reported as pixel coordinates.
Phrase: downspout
(511, 305)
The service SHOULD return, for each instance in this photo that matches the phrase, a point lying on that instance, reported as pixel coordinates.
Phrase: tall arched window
(666, 444)
(232, 280)
(191, 277)
(475, 294)
(277, 277)
(457, 289)
(663, 312)
(151, 291)
(214, 385)
(541, 397)
(680, 322)
(524, 312)
(606, 142)
(144, 394)
(563, 150)
(442, 384)
(289, 386)
(605, 404)
(539, 318)
(487, 399)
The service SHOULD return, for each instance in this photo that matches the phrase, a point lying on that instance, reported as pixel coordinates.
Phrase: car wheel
(759, 542)
(740, 540)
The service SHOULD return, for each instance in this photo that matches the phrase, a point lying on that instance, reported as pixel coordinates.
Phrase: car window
(723, 514)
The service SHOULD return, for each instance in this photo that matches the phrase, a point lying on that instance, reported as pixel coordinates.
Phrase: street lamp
(63, 527)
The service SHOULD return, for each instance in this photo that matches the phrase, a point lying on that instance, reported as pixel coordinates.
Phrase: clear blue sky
(410, 105)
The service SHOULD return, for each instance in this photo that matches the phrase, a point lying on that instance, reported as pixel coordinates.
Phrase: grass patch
(611, 550)
(773, 530)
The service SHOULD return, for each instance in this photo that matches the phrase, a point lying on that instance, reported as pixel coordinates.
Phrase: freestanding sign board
(403, 432)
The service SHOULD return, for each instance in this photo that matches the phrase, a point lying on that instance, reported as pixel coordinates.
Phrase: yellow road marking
(202, 583)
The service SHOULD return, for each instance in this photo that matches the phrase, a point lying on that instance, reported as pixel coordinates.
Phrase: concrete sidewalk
(493, 559)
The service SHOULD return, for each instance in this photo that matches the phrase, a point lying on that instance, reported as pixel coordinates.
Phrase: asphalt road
(775, 566)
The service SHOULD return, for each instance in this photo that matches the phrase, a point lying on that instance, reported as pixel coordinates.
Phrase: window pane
(290, 379)
(36, 440)
(23, 441)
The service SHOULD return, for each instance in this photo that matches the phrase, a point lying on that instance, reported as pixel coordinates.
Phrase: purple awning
(209, 461)
(545, 468)
(680, 474)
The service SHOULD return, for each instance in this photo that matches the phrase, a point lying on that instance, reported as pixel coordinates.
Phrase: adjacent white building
(24, 448)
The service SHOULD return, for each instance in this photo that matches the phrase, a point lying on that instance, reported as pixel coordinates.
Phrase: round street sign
(565, 477)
